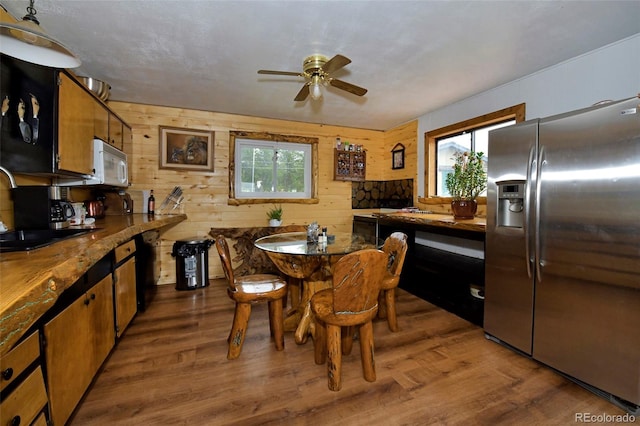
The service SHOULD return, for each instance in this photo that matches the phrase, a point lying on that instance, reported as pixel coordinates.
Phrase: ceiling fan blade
(335, 63)
(303, 93)
(351, 88)
(297, 74)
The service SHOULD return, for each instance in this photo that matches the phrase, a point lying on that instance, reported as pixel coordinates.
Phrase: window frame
(272, 138)
(515, 112)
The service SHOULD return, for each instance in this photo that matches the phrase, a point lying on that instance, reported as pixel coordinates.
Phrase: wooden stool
(247, 289)
(352, 301)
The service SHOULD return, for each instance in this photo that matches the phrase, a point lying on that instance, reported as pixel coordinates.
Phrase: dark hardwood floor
(171, 368)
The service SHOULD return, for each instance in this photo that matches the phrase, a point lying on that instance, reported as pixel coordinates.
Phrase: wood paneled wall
(206, 193)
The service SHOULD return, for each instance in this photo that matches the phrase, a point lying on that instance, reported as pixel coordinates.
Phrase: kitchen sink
(37, 238)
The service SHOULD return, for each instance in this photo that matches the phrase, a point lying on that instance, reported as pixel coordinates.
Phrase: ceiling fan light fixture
(27, 41)
(316, 70)
(315, 88)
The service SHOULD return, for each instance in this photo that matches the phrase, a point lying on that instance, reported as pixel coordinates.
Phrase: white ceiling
(412, 56)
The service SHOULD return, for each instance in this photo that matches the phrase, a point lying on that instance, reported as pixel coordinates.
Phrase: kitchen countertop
(31, 281)
(477, 224)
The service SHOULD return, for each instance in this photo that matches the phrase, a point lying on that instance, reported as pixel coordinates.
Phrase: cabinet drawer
(125, 250)
(13, 363)
(26, 401)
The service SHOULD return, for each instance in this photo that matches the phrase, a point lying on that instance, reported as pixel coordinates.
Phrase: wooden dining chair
(248, 289)
(351, 302)
(395, 246)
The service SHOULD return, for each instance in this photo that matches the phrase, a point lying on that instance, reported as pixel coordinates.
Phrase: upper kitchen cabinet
(127, 134)
(49, 120)
(115, 131)
(101, 121)
(75, 127)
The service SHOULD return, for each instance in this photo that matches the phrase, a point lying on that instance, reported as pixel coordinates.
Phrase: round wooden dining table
(311, 263)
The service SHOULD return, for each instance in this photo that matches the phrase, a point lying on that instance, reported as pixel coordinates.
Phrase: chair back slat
(395, 246)
(225, 258)
(356, 281)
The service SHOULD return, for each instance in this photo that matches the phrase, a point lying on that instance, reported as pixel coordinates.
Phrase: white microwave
(109, 165)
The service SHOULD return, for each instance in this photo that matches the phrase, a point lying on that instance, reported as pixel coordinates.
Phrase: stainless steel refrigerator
(563, 245)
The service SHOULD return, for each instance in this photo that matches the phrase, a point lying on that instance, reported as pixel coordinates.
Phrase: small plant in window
(468, 178)
(275, 215)
(465, 183)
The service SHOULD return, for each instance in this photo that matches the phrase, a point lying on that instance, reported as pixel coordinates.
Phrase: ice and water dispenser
(511, 204)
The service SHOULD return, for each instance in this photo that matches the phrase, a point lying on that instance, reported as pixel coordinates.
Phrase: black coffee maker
(41, 207)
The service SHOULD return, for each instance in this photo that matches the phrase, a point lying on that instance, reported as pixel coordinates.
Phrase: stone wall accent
(372, 194)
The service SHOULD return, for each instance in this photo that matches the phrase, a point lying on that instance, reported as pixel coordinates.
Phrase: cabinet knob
(93, 296)
(86, 301)
(15, 421)
(7, 374)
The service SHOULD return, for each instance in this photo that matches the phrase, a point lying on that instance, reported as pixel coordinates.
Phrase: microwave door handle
(122, 172)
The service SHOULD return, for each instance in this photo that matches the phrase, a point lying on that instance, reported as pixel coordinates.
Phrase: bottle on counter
(151, 204)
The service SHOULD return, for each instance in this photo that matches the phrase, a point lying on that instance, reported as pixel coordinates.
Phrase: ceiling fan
(317, 70)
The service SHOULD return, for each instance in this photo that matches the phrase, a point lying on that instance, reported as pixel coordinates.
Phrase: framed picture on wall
(186, 149)
(397, 157)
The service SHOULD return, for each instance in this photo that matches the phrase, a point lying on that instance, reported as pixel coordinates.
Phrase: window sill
(446, 200)
(244, 201)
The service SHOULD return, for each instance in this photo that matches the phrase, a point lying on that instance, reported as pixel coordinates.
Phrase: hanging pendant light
(27, 41)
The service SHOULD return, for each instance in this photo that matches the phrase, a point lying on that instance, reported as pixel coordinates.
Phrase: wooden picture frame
(186, 149)
(397, 157)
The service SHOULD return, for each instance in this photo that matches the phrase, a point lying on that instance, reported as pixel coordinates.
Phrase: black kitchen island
(445, 258)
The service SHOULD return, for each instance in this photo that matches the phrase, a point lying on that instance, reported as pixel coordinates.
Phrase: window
(471, 140)
(472, 134)
(269, 167)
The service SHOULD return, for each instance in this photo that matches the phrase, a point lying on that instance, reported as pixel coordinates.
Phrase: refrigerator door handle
(538, 260)
(527, 210)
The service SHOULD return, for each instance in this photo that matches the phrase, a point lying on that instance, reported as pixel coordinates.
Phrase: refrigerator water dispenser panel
(511, 204)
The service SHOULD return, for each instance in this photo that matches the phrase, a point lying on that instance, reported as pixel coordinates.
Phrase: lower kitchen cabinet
(125, 286)
(24, 396)
(77, 341)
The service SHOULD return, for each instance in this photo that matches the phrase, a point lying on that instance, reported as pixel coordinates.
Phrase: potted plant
(465, 183)
(275, 215)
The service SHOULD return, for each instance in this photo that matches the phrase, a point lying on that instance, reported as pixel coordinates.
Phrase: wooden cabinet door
(77, 342)
(115, 131)
(100, 121)
(125, 291)
(75, 127)
(127, 145)
(102, 320)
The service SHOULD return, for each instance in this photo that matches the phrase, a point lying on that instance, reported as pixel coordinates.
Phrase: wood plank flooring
(170, 368)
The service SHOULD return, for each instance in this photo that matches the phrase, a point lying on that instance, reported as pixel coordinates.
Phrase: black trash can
(192, 263)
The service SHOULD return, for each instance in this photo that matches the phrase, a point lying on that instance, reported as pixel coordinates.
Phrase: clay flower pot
(464, 209)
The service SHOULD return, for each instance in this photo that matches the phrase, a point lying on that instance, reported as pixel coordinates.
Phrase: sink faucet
(12, 180)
